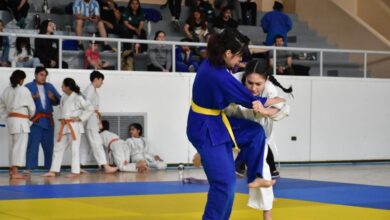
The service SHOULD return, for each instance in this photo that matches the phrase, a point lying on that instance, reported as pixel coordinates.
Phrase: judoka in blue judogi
(42, 130)
(214, 89)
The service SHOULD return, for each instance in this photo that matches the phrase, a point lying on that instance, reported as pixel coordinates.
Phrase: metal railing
(120, 41)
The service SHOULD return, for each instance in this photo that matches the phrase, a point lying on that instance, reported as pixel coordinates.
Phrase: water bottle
(180, 169)
(37, 21)
(45, 7)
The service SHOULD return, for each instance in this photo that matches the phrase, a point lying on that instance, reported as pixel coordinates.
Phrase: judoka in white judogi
(120, 151)
(261, 198)
(140, 150)
(74, 110)
(17, 105)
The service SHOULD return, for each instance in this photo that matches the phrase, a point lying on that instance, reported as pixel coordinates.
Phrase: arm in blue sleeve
(263, 100)
(264, 23)
(235, 92)
(56, 94)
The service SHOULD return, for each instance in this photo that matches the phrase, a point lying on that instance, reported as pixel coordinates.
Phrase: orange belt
(98, 114)
(17, 115)
(39, 115)
(112, 141)
(68, 123)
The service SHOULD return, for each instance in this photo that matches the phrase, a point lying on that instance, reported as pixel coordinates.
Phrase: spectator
(175, 9)
(4, 47)
(87, 16)
(134, 22)
(92, 58)
(248, 10)
(204, 6)
(47, 49)
(111, 16)
(283, 58)
(225, 20)
(233, 4)
(24, 54)
(160, 55)
(184, 58)
(276, 23)
(19, 10)
(196, 27)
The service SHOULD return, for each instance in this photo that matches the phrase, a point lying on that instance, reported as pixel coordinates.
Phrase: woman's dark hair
(192, 22)
(19, 42)
(43, 26)
(105, 125)
(71, 84)
(40, 69)
(136, 126)
(138, 12)
(157, 33)
(260, 67)
(218, 44)
(16, 77)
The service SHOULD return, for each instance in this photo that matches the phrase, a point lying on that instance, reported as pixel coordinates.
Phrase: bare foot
(72, 175)
(49, 174)
(16, 176)
(82, 171)
(260, 182)
(109, 169)
(26, 172)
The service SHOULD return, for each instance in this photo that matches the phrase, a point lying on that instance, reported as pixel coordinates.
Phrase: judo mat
(295, 199)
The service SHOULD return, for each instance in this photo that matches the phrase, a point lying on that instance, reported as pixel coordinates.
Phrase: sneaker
(176, 25)
(275, 175)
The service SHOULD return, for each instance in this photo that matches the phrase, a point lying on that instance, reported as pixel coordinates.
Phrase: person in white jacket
(17, 105)
(140, 148)
(74, 110)
(120, 151)
(92, 124)
(260, 83)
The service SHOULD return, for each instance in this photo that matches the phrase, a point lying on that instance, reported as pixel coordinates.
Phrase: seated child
(140, 149)
(92, 58)
(120, 151)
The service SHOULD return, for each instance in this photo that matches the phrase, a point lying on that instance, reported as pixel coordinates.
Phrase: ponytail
(71, 84)
(16, 77)
(274, 81)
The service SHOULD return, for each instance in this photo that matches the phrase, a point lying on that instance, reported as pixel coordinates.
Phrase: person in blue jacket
(42, 130)
(210, 132)
(184, 58)
(276, 23)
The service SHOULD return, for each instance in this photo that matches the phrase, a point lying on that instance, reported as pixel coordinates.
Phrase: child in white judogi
(92, 124)
(17, 105)
(140, 149)
(120, 151)
(74, 110)
(260, 83)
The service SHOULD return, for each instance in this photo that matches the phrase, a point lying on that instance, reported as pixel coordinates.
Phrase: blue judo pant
(45, 137)
(219, 167)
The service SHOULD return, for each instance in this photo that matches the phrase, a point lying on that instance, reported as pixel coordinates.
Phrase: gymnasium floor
(305, 192)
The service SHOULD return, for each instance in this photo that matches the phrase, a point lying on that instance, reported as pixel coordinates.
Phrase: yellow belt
(215, 112)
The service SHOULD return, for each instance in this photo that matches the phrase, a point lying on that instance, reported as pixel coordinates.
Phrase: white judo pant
(96, 143)
(17, 149)
(59, 149)
(152, 163)
(120, 152)
(262, 198)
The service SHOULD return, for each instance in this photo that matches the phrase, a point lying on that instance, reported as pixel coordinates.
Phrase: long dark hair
(218, 44)
(157, 33)
(139, 10)
(16, 77)
(71, 84)
(192, 22)
(261, 68)
(43, 26)
(19, 42)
